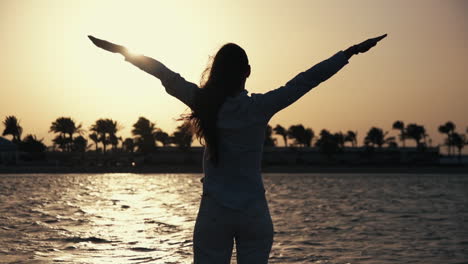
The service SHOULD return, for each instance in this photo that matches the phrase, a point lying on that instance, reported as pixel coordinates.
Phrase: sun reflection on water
(136, 217)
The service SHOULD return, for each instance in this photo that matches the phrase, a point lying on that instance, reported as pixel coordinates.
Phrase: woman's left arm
(277, 99)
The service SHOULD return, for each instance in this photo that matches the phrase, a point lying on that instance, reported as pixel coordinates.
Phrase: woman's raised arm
(174, 84)
(275, 100)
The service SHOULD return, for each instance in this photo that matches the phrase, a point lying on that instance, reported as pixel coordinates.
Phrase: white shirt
(242, 121)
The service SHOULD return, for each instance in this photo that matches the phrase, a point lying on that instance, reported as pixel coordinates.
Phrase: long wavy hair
(224, 77)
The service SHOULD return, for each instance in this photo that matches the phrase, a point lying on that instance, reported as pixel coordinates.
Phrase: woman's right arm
(174, 84)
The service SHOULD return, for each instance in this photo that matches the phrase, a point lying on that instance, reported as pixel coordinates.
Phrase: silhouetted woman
(232, 125)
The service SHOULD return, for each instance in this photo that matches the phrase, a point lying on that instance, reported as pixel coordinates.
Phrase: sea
(318, 218)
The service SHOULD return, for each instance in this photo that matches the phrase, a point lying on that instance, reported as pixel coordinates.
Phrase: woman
(232, 125)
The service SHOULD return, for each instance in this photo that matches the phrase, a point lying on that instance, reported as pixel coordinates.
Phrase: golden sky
(419, 73)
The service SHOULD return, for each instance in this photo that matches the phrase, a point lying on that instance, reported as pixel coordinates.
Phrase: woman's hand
(368, 44)
(109, 46)
(363, 46)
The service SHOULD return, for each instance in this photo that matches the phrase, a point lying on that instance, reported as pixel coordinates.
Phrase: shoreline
(267, 169)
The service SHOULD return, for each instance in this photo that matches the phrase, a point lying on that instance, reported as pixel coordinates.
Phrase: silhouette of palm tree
(13, 128)
(31, 144)
(269, 140)
(308, 137)
(281, 131)
(95, 138)
(80, 144)
(351, 137)
(339, 139)
(114, 141)
(400, 125)
(101, 128)
(416, 132)
(447, 128)
(128, 145)
(62, 142)
(327, 143)
(183, 136)
(162, 137)
(376, 136)
(458, 141)
(301, 135)
(66, 128)
(144, 130)
(111, 128)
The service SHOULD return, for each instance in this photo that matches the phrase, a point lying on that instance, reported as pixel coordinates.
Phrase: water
(149, 218)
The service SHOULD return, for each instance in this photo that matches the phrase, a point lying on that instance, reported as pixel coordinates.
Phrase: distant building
(8, 152)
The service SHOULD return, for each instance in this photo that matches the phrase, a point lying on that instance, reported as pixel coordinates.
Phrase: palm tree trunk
(402, 138)
(285, 140)
(103, 142)
(71, 142)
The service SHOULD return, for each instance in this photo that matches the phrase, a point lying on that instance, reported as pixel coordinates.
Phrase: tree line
(102, 136)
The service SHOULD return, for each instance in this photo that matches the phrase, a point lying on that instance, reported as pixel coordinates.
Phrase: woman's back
(235, 179)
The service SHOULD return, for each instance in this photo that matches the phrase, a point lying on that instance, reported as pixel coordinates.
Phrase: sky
(418, 74)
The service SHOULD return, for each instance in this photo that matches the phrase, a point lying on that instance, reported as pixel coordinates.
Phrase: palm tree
(400, 125)
(13, 128)
(183, 136)
(308, 137)
(80, 144)
(281, 131)
(458, 141)
(351, 137)
(295, 132)
(114, 141)
(144, 130)
(111, 128)
(443, 129)
(327, 143)
(340, 139)
(416, 132)
(269, 140)
(376, 136)
(301, 135)
(162, 137)
(62, 142)
(65, 126)
(101, 128)
(128, 145)
(448, 128)
(95, 138)
(31, 144)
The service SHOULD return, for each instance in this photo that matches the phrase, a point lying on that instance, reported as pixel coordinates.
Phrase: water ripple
(149, 218)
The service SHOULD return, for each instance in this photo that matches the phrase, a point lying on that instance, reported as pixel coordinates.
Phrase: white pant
(218, 226)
